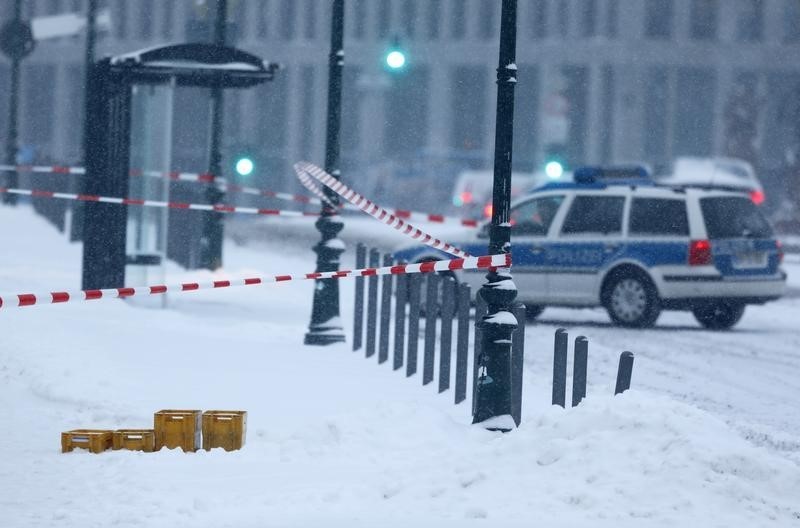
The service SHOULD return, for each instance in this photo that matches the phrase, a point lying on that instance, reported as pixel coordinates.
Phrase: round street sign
(16, 39)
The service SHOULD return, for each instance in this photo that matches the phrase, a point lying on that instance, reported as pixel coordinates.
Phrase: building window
(384, 18)
(487, 19)
(53, 7)
(262, 19)
(703, 20)
(433, 18)
(791, 21)
(658, 19)
(538, 19)
(310, 17)
(409, 17)
(589, 18)
(612, 18)
(120, 19)
(240, 21)
(167, 21)
(563, 19)
(469, 111)
(750, 23)
(458, 19)
(359, 19)
(146, 19)
(288, 12)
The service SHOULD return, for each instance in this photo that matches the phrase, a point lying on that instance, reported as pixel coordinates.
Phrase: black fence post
(415, 284)
(372, 303)
(624, 372)
(480, 311)
(358, 304)
(386, 311)
(560, 368)
(517, 363)
(579, 369)
(401, 299)
(462, 342)
(449, 286)
(431, 313)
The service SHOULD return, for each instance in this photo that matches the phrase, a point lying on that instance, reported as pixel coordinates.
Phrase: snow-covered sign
(67, 25)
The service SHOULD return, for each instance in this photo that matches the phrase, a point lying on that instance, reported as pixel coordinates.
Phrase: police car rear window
(655, 216)
(594, 214)
(733, 217)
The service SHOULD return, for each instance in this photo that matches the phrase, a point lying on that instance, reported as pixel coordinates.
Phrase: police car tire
(651, 309)
(719, 315)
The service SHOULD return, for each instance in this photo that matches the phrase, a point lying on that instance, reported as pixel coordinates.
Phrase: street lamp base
(324, 337)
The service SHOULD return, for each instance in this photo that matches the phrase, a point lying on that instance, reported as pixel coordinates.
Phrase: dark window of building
(77, 6)
(458, 19)
(433, 18)
(310, 18)
(694, 112)
(271, 128)
(384, 18)
(563, 19)
(146, 21)
(351, 115)
(577, 94)
(406, 127)
(74, 112)
(703, 19)
(488, 13)
(239, 16)
(656, 101)
(595, 215)
(612, 18)
(588, 18)
(52, 7)
(469, 107)
(38, 107)
(526, 117)
(262, 18)
(168, 20)
(607, 130)
(791, 21)
(4, 75)
(359, 19)
(750, 24)
(288, 18)
(658, 18)
(120, 20)
(233, 115)
(537, 12)
(409, 17)
(306, 125)
(653, 216)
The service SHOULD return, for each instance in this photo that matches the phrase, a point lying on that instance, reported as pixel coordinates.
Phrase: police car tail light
(757, 197)
(487, 210)
(779, 247)
(699, 253)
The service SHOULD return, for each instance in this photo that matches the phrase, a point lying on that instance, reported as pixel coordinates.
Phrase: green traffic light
(554, 170)
(245, 166)
(395, 59)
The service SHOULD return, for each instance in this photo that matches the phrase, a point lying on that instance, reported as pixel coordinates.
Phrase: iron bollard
(581, 356)
(624, 372)
(560, 368)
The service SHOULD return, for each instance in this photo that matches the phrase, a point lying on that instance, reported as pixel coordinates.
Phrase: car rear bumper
(749, 290)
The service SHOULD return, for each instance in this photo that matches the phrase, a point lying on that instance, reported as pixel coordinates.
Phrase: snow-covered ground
(708, 436)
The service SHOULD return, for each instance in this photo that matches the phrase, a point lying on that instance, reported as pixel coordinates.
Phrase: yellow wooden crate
(225, 429)
(95, 440)
(178, 428)
(134, 439)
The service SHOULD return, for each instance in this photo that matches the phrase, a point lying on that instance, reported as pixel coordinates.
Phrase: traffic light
(244, 166)
(395, 58)
(555, 161)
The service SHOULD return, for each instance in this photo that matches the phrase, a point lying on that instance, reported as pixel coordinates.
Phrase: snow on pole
(31, 299)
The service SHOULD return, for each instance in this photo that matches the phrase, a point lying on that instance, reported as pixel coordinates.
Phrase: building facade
(599, 80)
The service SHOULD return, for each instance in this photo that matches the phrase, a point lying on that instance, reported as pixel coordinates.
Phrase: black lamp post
(325, 327)
(493, 388)
(211, 236)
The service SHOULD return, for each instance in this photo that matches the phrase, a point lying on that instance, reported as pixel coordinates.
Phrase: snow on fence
(397, 313)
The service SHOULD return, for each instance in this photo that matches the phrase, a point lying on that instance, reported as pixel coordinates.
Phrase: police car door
(531, 223)
(590, 236)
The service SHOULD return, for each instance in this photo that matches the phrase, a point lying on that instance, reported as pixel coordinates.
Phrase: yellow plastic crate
(95, 440)
(225, 429)
(135, 439)
(178, 428)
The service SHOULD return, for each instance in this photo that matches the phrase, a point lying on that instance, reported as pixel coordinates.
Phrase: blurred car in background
(718, 173)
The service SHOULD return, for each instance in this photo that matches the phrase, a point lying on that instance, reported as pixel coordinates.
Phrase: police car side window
(534, 217)
(594, 215)
(655, 216)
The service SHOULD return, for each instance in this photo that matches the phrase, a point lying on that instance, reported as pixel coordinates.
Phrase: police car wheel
(719, 315)
(631, 300)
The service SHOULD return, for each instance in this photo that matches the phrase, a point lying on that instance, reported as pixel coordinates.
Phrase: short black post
(358, 303)
(449, 286)
(480, 312)
(401, 299)
(517, 364)
(462, 342)
(624, 372)
(431, 313)
(372, 303)
(325, 328)
(581, 357)
(560, 368)
(386, 311)
(414, 288)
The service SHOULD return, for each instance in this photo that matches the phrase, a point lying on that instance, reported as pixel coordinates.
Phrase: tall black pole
(76, 228)
(211, 237)
(13, 114)
(493, 388)
(325, 327)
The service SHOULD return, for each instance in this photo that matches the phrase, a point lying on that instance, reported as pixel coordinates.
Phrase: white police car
(614, 238)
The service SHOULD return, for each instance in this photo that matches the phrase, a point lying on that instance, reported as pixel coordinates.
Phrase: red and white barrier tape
(305, 170)
(220, 208)
(31, 299)
(200, 177)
